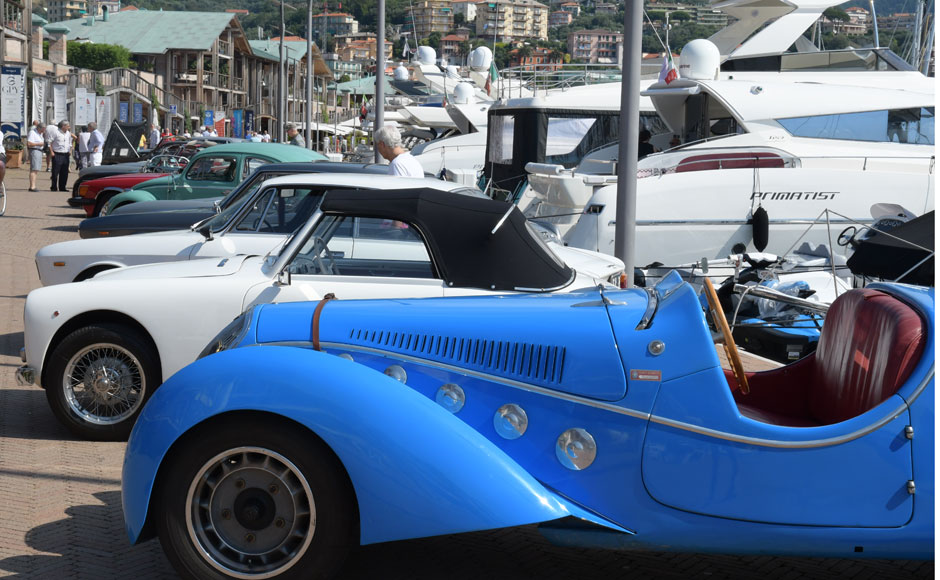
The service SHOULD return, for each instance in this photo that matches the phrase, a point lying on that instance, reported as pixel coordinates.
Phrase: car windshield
(232, 203)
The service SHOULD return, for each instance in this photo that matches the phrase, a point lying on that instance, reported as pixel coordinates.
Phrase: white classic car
(235, 230)
(100, 347)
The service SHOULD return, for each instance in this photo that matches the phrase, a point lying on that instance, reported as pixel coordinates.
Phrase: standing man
(154, 137)
(34, 145)
(61, 151)
(388, 142)
(49, 135)
(294, 137)
(95, 145)
(83, 150)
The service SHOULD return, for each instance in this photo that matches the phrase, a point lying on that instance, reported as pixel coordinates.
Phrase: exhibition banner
(59, 108)
(237, 130)
(13, 94)
(103, 113)
(38, 105)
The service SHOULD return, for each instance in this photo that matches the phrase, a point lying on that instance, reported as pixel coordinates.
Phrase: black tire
(101, 201)
(209, 526)
(99, 378)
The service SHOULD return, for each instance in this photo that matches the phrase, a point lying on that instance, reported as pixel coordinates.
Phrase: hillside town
(186, 69)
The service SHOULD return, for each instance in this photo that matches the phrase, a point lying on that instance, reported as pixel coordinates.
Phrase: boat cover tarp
(883, 256)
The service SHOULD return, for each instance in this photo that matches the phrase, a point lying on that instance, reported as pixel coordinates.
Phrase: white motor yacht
(793, 143)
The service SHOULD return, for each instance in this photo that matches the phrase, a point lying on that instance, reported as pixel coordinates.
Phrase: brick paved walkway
(60, 511)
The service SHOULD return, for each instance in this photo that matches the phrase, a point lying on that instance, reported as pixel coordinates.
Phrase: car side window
(213, 169)
(252, 163)
(378, 248)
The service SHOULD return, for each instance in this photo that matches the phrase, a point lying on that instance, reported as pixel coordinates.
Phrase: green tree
(459, 20)
(836, 13)
(344, 79)
(97, 56)
(433, 40)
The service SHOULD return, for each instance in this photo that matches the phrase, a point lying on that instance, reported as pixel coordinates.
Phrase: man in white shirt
(388, 142)
(61, 150)
(206, 132)
(34, 145)
(95, 145)
(213, 133)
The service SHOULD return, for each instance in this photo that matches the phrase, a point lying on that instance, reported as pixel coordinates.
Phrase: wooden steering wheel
(731, 350)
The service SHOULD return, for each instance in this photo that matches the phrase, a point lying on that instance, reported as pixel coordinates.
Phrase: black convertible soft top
(458, 231)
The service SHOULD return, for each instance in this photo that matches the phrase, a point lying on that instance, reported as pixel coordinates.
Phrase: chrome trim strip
(887, 418)
(735, 438)
(487, 377)
(738, 222)
(651, 305)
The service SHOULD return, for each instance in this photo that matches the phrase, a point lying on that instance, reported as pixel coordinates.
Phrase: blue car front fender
(416, 469)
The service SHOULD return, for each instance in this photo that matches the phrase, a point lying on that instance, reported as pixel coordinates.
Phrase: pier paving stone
(60, 505)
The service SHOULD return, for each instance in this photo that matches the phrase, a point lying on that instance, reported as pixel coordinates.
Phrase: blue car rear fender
(416, 469)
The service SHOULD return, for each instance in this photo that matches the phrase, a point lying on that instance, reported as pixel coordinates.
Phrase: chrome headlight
(229, 336)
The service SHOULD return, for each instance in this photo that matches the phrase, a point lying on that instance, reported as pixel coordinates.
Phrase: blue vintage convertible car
(603, 415)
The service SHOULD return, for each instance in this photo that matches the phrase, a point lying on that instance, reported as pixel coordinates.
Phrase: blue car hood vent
(519, 360)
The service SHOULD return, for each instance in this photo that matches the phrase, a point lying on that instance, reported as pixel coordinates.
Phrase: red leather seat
(869, 345)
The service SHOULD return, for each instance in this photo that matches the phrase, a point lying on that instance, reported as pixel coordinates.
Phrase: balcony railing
(224, 80)
(239, 84)
(225, 48)
(13, 17)
(121, 79)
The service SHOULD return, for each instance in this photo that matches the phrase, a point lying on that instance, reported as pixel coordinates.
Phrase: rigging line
(896, 22)
(653, 28)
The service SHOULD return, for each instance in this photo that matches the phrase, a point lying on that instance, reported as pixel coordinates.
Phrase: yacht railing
(553, 77)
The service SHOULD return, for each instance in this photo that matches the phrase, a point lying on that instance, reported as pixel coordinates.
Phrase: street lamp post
(307, 126)
(281, 89)
(379, 74)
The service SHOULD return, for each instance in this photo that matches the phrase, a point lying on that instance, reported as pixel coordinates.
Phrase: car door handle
(338, 254)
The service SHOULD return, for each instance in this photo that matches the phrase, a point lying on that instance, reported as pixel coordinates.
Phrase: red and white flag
(668, 73)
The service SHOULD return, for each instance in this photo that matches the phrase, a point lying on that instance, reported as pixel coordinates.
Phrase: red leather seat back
(869, 345)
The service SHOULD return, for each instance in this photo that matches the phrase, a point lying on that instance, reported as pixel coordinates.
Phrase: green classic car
(212, 172)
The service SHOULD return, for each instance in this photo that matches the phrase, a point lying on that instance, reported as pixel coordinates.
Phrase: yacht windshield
(913, 126)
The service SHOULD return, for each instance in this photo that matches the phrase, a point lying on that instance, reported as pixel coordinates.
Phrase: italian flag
(491, 79)
(668, 73)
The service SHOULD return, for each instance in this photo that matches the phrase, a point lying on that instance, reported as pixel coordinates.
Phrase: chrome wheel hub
(104, 384)
(250, 513)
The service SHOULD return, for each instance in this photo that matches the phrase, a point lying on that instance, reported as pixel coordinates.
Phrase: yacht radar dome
(699, 60)
(480, 59)
(401, 73)
(463, 93)
(452, 72)
(427, 55)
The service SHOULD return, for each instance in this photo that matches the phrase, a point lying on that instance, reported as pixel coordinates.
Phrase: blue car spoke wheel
(252, 501)
(99, 378)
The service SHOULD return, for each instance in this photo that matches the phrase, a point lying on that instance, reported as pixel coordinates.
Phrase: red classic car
(94, 194)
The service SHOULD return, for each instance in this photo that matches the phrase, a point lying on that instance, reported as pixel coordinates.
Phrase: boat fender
(760, 225)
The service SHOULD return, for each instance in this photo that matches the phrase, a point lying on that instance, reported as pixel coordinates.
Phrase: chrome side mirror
(283, 277)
